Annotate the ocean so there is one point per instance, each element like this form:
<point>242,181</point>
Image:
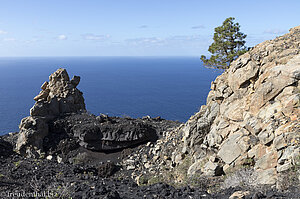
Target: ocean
<point>171,87</point>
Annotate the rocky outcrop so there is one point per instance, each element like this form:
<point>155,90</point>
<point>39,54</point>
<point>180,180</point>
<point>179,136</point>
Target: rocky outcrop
<point>259,110</point>
<point>58,97</point>
<point>58,123</point>
<point>251,118</point>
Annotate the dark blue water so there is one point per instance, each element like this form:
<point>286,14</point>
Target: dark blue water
<point>173,88</point>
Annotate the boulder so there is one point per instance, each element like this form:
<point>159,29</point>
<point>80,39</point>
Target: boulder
<point>289,154</point>
<point>266,136</point>
<point>257,151</point>
<point>229,152</point>
<point>268,176</point>
<point>32,132</point>
<point>196,167</point>
<point>239,195</point>
<point>272,82</point>
<point>212,169</point>
<point>284,167</point>
<point>253,125</point>
<point>279,142</point>
<point>243,75</point>
<point>267,161</point>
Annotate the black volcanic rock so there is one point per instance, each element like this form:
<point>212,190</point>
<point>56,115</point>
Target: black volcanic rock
<point>6,149</point>
<point>107,169</point>
<point>101,133</point>
<point>114,134</point>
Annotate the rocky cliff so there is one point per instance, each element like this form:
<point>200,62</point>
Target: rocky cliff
<point>250,120</point>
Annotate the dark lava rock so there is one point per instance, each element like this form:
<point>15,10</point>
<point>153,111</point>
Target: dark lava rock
<point>103,133</point>
<point>96,134</point>
<point>107,169</point>
<point>6,149</point>
<point>258,195</point>
<point>112,135</point>
<point>19,174</point>
<point>88,170</point>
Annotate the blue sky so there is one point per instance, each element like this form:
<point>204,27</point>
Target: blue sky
<point>134,27</point>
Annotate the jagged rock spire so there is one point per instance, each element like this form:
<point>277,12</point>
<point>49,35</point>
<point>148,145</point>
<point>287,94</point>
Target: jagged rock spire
<point>58,97</point>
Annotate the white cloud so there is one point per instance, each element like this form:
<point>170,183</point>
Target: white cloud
<point>9,39</point>
<point>275,31</point>
<point>2,32</point>
<point>186,37</point>
<point>62,37</point>
<point>198,27</point>
<point>175,38</point>
<point>32,40</point>
<point>94,37</point>
<point>143,26</point>
<point>146,41</point>
<point>175,41</point>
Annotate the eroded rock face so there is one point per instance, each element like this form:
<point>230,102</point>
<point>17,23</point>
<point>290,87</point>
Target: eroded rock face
<point>251,117</point>
<point>58,97</point>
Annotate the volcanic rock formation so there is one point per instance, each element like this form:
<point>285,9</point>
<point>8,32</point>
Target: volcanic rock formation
<point>58,122</point>
<point>58,97</point>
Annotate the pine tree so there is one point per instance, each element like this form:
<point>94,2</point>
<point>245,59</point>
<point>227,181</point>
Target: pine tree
<point>228,44</point>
